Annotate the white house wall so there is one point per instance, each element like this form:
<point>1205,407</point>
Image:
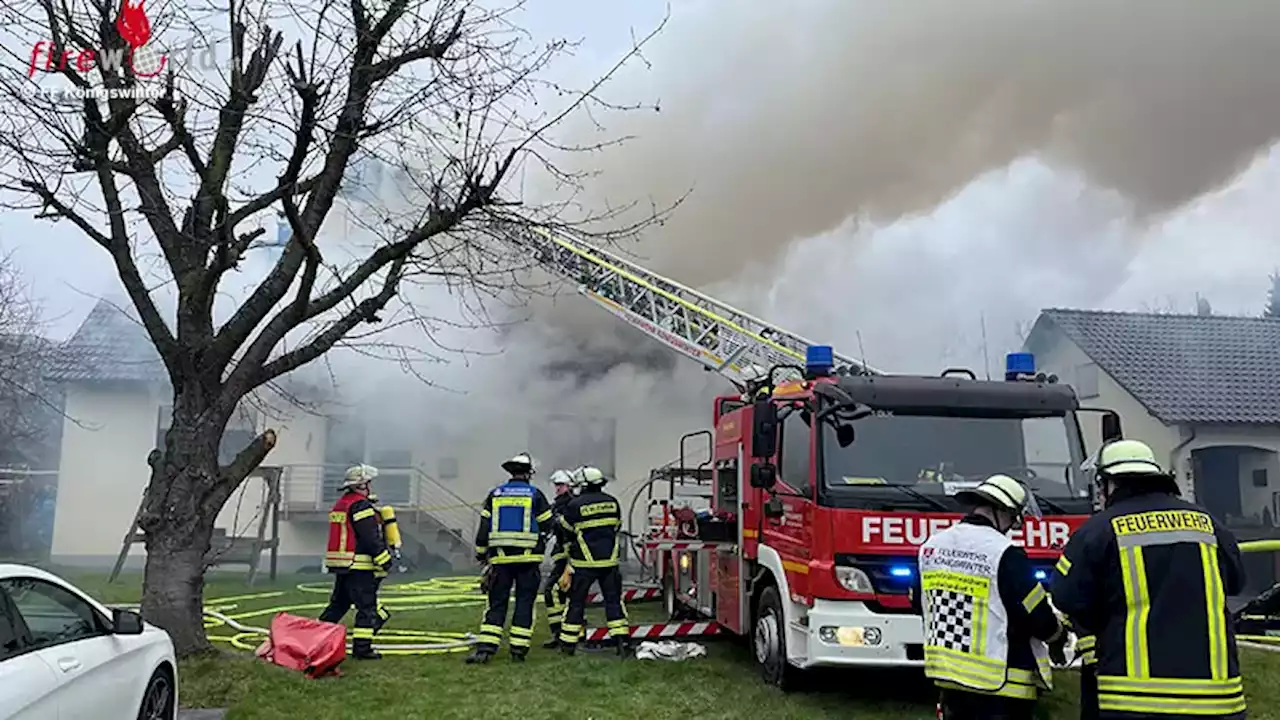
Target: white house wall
<point>103,472</point>
<point>1266,440</point>
<point>1063,358</point>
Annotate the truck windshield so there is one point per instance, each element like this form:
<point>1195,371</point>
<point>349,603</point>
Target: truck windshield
<point>941,455</point>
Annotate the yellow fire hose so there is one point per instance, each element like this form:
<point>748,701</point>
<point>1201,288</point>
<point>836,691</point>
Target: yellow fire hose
<point>227,626</point>
<point>1259,546</point>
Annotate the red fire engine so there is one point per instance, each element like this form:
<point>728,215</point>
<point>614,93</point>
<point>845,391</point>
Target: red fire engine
<point>821,490</point>
<point>802,527</point>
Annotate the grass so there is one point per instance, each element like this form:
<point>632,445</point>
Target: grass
<point>725,684</point>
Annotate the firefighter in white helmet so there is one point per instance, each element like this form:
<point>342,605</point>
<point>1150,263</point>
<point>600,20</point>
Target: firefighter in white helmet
<point>1149,576</point>
<point>554,593</point>
<point>987,619</point>
<point>511,539</point>
<point>594,520</point>
<point>355,554</point>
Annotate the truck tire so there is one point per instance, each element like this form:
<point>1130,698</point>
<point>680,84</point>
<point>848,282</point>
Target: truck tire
<point>769,641</point>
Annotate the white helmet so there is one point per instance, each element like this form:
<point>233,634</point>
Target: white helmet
<point>520,464</point>
<point>1002,491</point>
<point>359,475</point>
<point>561,477</point>
<point>590,476</point>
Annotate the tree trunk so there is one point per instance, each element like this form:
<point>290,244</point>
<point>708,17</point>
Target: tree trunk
<point>182,502</point>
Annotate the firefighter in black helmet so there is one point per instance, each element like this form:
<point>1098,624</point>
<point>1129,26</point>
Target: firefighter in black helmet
<point>594,520</point>
<point>1149,575</point>
<point>510,540</point>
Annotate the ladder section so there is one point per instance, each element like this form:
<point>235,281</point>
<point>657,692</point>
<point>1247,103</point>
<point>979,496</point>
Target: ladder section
<point>719,336</point>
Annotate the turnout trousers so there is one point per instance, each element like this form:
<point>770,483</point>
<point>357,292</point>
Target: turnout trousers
<point>1089,692</point>
<point>610,581</point>
<point>960,705</point>
<point>525,579</point>
<point>359,588</point>
<point>554,598</point>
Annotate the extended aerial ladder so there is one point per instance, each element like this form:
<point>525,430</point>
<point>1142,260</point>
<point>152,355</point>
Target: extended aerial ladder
<point>720,337</point>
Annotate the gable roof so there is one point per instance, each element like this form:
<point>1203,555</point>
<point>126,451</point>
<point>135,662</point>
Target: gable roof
<point>108,346</point>
<point>1183,368</point>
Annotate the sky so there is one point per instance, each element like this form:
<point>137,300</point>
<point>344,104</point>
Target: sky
<point>911,182</point>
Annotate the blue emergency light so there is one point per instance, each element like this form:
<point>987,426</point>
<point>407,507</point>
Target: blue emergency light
<point>1041,575</point>
<point>819,359</point>
<point>900,571</point>
<point>1019,364</point>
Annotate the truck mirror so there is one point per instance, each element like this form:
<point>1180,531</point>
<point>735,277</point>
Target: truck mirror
<point>844,435</point>
<point>764,429</point>
<point>764,476</point>
<point>1111,427</point>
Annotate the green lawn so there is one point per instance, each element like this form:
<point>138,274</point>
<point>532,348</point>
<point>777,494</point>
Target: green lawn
<point>590,686</point>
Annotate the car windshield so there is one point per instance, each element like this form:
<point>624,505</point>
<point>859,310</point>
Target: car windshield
<point>940,455</point>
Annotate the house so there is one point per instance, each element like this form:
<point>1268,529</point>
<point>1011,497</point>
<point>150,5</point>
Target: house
<point>433,468</point>
<point>1203,390</point>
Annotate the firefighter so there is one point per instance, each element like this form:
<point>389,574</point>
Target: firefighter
<point>355,553</point>
<point>1149,575</point>
<point>554,592</point>
<point>511,540</point>
<point>593,520</point>
<point>987,619</point>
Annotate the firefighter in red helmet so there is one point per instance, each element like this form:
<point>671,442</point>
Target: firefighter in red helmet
<point>357,554</point>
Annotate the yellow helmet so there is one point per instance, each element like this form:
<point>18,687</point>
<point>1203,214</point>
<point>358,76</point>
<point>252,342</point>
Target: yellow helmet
<point>590,476</point>
<point>1128,457</point>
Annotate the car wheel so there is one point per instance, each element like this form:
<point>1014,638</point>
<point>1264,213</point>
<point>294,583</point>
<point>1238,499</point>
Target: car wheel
<point>158,700</point>
<point>770,642</point>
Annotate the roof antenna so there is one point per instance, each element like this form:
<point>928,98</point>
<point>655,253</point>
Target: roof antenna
<point>862,352</point>
<point>986,357</point>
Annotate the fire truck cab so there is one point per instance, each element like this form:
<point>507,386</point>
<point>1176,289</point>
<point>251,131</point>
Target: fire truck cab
<point>823,488</point>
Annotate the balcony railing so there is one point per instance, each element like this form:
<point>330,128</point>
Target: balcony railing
<point>314,488</point>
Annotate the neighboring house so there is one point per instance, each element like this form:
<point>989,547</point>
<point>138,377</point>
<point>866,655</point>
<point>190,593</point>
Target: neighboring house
<point>1202,390</point>
<point>432,468</point>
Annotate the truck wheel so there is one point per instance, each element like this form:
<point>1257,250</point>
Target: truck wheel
<point>770,642</point>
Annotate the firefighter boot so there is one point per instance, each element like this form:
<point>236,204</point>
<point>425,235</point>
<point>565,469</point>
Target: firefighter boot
<point>363,650</point>
<point>568,648</point>
<point>623,648</point>
<point>554,642</point>
<point>479,655</point>
<point>519,654</point>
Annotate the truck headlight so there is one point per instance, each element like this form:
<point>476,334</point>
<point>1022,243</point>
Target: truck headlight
<point>853,579</point>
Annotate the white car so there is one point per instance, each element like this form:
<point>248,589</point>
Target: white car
<point>65,656</point>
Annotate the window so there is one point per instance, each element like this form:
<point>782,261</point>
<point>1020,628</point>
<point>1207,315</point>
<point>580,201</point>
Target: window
<point>395,475</point>
<point>13,635</point>
<point>1086,381</point>
<point>1260,477</point>
<point>794,463</point>
<point>727,484</point>
<point>53,615</point>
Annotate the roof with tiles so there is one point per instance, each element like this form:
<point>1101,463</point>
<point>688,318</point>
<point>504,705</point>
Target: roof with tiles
<point>1184,368</point>
<point>109,346</point>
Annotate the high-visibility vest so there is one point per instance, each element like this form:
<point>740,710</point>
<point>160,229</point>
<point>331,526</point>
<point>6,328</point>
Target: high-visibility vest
<point>966,623</point>
<point>340,553</point>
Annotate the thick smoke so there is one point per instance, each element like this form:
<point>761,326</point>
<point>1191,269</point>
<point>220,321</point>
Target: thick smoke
<point>891,166</point>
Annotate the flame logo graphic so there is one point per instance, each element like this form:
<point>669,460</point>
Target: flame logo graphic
<point>133,24</point>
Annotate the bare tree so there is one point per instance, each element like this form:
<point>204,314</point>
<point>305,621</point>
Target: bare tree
<point>179,184</point>
<point>30,408</point>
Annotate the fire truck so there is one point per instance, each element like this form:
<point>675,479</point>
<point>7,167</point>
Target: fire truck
<point>824,475</point>
<point>822,489</point>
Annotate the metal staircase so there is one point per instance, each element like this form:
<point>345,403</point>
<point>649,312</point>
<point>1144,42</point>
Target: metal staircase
<point>720,337</point>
